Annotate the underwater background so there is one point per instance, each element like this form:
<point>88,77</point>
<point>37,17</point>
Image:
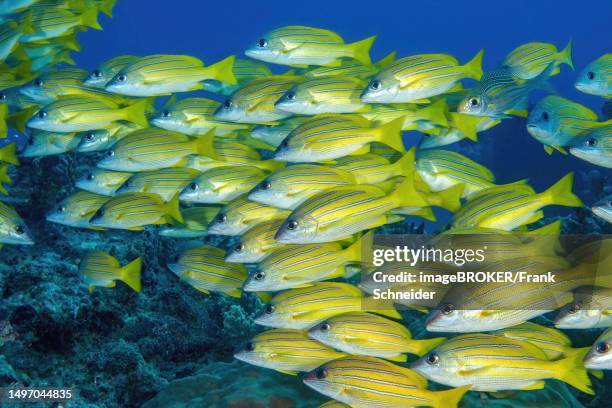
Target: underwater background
<point>170,345</point>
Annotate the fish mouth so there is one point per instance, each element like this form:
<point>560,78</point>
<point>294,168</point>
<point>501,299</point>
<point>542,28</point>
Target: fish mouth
<point>531,126</point>
<point>367,96</point>
<point>580,86</point>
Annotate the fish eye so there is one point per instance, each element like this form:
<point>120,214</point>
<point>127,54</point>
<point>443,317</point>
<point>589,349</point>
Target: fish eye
<point>474,102</point>
<point>266,185</point>
<point>259,276</point>
<point>591,141</point>
<point>602,347</point>
<point>221,218</point>
<point>110,153</point>
<point>20,230</point>
<point>545,116</point>
<point>376,84</point>
<point>284,143</point>
<point>228,104</point>
<point>38,82</point>
<point>41,114</point>
<point>239,248</point>
<point>90,176</point>
<point>97,73</point>
<point>433,358</point>
<point>30,141</point>
<point>326,327</point>
<point>591,75</point>
<point>61,208</point>
<point>194,186</point>
<point>270,309</point>
<point>321,373</point>
<point>90,136</point>
<point>166,113</point>
<point>262,43</point>
<point>291,225</point>
<point>249,346</point>
<point>2,96</point>
<point>447,309</point>
<point>290,96</point>
<point>100,213</point>
<point>126,183</point>
<point>122,78</point>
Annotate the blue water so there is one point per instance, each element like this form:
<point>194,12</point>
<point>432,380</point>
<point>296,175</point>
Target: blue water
<point>213,30</point>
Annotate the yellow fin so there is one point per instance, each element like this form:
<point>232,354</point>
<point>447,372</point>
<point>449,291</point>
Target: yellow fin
<point>450,398</point>
<point>205,145</point>
<point>235,293</point>
<point>90,18</point>
<point>7,154</point>
<point>391,134</point>
<point>173,210</point>
<point>223,70</point>
<point>130,274</point>
<point>565,55</point>
<point>561,193</point>
<point>400,358</point>
<point>571,370</point>
<point>361,50</point>
<point>474,66</point>
<point>136,113</point>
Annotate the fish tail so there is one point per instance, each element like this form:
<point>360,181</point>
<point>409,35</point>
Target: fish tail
<point>19,119</point>
<point>391,134</point>
<point>353,253</point>
<point>420,347</point>
<point>436,113</point>
<point>474,66</point>
<point>205,145</point>
<point>136,113</point>
<point>65,58</point>
<point>425,213</point>
<point>407,195</point>
<point>450,199</point>
<point>223,70</point>
<point>72,44</point>
<point>361,50</point>
<point>7,154</point>
<point>560,193</point>
<point>450,398</point>
<point>386,60</point>
<point>571,370</point>
<point>467,124</point>
<point>130,274</point>
<point>405,165</point>
<point>106,7</point>
<point>90,18</point>
<point>173,209</point>
<point>565,56</point>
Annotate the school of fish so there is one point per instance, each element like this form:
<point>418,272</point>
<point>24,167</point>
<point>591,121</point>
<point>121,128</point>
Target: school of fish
<point>298,169</point>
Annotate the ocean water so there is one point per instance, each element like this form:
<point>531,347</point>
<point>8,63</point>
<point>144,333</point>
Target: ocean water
<point>172,346</point>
